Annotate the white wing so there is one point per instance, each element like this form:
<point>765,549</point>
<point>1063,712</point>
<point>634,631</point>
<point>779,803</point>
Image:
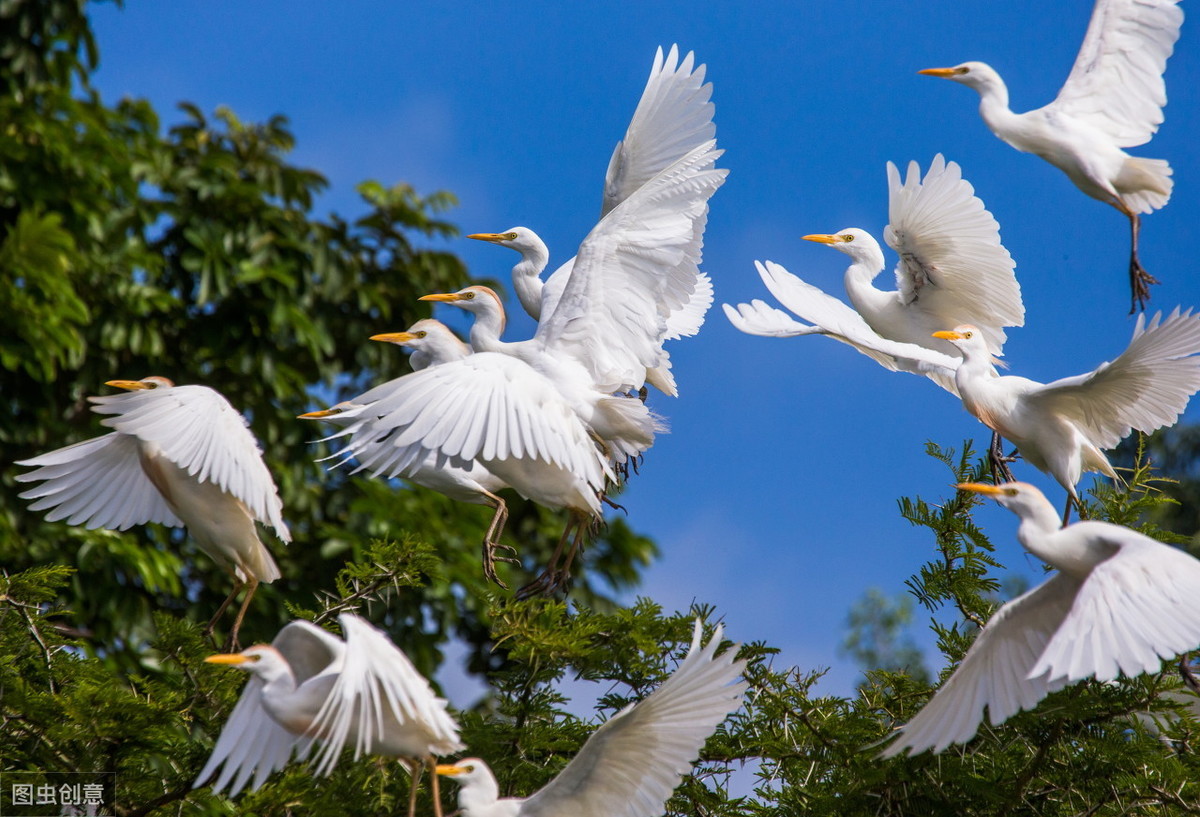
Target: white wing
<point>252,743</point>
<point>673,118</point>
<point>687,320</point>
<point>831,317</point>
<point>632,763</point>
<point>377,679</point>
<point>198,430</point>
<point>994,672</point>
<point>953,268</point>
<point>487,406</point>
<point>1147,387</point>
<point>1135,609</point>
<point>1116,84</point>
<point>636,267</point>
<point>97,483</point>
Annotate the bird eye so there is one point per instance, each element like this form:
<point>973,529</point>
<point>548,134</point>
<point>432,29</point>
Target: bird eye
<point>510,236</point>
<point>1010,491</point>
<point>468,296</point>
<point>967,335</point>
<point>422,334</point>
<point>847,238</point>
<point>962,69</point>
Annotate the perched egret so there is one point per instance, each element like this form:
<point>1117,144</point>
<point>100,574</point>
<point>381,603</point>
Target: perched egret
<point>433,343</point>
<point>1112,99</point>
<point>179,456</point>
<point>1120,603</point>
<point>542,414</point>
<point>310,686</point>
<point>1061,427</point>
<point>952,269</point>
<point>632,763</point>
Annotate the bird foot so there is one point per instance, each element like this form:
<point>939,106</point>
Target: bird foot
<point>1139,285</point>
<point>1189,678</point>
<point>490,558</point>
<point>547,583</point>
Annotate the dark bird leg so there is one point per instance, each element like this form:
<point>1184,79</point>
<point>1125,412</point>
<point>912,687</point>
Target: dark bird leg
<point>433,787</point>
<point>231,644</point>
<point>491,541</point>
<point>551,579</point>
<point>1139,279</point>
<point>999,462</point>
<point>212,624</point>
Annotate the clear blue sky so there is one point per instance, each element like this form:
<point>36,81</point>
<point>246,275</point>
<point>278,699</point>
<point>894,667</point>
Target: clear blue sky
<point>774,496</point>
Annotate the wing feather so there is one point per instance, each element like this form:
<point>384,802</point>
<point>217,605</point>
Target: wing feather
<point>1116,83</point>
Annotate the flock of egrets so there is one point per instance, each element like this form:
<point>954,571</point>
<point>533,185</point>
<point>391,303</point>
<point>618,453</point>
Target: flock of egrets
<point>559,418</point>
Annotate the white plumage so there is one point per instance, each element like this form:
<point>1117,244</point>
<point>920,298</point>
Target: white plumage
<point>951,263</point>
<point>179,456</point>
<point>632,763</point>
<point>1112,99</point>
<point>309,686</point>
<point>1120,604</point>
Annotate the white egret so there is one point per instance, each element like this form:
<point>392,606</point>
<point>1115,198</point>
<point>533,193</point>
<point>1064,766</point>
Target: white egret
<point>433,343</point>
<point>1060,427</point>
<point>309,686</point>
<point>952,269</point>
<point>179,456</point>
<point>633,269</point>
<point>1120,603</point>
<point>1112,99</point>
<point>631,764</point>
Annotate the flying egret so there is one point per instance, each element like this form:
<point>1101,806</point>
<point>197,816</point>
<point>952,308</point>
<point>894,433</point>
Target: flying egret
<point>311,686</point>
<point>952,269</point>
<point>673,117</point>
<point>432,344</point>
<point>606,333</point>
<point>1112,99</point>
<point>180,456</point>
<point>1060,427</point>
<point>631,764</point>
<point>1120,603</point>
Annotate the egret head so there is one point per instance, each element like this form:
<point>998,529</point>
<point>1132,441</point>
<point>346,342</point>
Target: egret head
<point>468,771</point>
<point>521,239</point>
<point>145,384</point>
<point>335,412</point>
<point>475,299</point>
<point>1021,498</point>
<point>856,243</point>
<point>972,74</point>
<point>967,338</point>
<point>261,659</point>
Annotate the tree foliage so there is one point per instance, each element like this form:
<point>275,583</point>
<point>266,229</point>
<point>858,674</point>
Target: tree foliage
<point>194,252</point>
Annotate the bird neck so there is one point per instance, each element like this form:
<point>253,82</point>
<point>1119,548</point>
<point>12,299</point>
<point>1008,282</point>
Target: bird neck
<point>1040,534</point>
<point>486,331</point>
<point>858,281</point>
<point>526,278</point>
<point>993,106</point>
<point>479,797</point>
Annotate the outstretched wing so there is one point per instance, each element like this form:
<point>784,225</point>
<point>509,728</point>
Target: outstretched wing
<point>1116,84</point>
<point>632,763</point>
<point>378,686</point>
<point>636,267</point>
<point>486,407</point>
<point>995,672</point>
<point>1147,387</point>
<point>97,483</point>
<point>1135,609</point>
<point>198,430</point>
<point>673,118</point>
<point>252,743</point>
<point>952,268</point>
<point>829,316</point>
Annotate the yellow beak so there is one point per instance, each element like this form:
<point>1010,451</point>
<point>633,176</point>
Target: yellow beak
<point>980,488</point>
<point>448,769</point>
<point>225,658</point>
<point>449,297</point>
<point>319,415</point>
<point>493,237</point>
<point>822,238</point>
<point>131,385</point>
<point>395,337</point>
<point>947,335</point>
<point>938,72</point>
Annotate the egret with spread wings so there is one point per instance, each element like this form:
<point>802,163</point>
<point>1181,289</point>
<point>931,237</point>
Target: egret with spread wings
<point>631,764</point>
<point>309,686</point>
<point>1120,603</point>
<point>180,456</point>
<point>1113,99</point>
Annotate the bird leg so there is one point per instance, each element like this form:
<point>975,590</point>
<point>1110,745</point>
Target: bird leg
<point>491,541</point>
<point>1139,279</point>
<point>999,462</point>
<point>237,587</point>
<point>433,787</point>
<point>1072,499</point>
<point>414,775</point>
<point>231,644</point>
<point>550,579</point>
<point>1189,678</point>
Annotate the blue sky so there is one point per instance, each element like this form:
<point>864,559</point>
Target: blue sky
<point>774,495</point>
